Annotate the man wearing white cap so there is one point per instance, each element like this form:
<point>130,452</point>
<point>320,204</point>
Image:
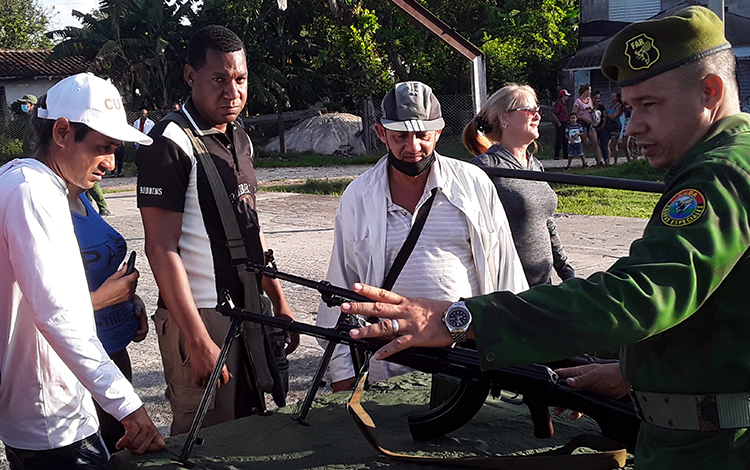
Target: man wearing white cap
<point>51,361</point>
<point>465,245</point>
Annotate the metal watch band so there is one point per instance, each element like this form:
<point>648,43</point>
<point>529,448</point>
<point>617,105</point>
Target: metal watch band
<point>458,336</point>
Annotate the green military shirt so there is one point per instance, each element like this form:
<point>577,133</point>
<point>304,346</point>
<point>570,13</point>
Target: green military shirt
<point>676,305</point>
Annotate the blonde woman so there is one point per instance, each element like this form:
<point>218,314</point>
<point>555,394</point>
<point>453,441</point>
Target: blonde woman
<point>500,135</point>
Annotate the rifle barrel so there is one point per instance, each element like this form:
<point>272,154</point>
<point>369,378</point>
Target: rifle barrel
<point>324,287</point>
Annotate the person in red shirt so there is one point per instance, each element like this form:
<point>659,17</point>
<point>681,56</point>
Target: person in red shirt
<point>560,115</point>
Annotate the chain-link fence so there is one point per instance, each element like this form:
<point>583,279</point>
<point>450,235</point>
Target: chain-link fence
<point>274,130</point>
<point>11,135</point>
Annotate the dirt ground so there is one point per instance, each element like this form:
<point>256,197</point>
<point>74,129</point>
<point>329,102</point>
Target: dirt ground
<point>299,228</point>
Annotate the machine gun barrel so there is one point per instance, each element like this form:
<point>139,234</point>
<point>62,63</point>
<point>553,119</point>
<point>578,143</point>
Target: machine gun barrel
<point>330,293</point>
<point>539,385</point>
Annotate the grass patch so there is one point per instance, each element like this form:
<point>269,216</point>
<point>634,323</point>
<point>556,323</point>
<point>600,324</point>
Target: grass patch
<point>318,187</point>
<point>633,170</point>
<point>602,201</point>
<point>116,190</point>
<point>613,202</point>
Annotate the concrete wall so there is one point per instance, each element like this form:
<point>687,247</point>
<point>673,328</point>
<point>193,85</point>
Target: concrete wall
<point>592,10</point>
<point>738,7</point>
<point>15,89</point>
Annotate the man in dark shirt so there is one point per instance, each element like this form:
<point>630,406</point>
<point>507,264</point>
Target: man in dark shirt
<point>185,239</point>
<point>560,116</point>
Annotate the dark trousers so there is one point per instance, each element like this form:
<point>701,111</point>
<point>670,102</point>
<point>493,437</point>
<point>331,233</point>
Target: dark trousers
<point>86,454</point>
<point>111,429</point>
<point>119,160</point>
<point>603,137</point>
<point>560,141</point>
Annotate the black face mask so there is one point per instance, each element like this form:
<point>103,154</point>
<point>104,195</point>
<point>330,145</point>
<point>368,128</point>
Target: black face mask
<point>411,168</point>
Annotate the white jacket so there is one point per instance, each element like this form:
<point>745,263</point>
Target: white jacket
<point>360,239</point>
<point>50,356</point>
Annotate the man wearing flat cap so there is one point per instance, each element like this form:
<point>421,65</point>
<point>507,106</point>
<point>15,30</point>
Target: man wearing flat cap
<point>28,102</point>
<point>676,305</point>
<point>465,246</point>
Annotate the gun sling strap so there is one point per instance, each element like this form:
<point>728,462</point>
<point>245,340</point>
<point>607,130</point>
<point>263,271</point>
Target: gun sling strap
<point>411,240</point>
<point>609,455</point>
<point>259,345</point>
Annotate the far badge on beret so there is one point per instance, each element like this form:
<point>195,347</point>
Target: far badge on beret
<point>645,49</point>
<point>684,208</point>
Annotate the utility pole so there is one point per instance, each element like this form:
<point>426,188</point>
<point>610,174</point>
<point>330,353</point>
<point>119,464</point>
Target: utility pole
<point>717,6</point>
<point>458,43</point>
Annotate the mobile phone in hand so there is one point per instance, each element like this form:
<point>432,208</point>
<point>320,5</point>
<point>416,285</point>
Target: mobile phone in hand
<point>131,264</point>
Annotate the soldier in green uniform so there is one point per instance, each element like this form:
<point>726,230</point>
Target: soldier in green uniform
<point>676,305</point>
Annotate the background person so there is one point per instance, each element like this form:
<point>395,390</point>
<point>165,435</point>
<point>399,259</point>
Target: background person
<point>625,138</point>
<point>28,103</point>
<point>143,124</point>
<point>119,161</point>
<point>583,107</point>
<point>465,245</point>
<point>599,113</point>
<point>96,195</point>
<point>613,125</point>
<point>51,359</point>
<point>560,117</point>
<point>500,136</point>
<point>573,133</point>
<point>119,313</point>
<point>675,305</point>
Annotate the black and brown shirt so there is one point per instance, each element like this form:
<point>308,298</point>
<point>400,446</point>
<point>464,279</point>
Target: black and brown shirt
<point>170,177</point>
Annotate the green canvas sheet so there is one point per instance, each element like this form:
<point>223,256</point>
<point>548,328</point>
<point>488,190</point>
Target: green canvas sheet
<point>333,441</point>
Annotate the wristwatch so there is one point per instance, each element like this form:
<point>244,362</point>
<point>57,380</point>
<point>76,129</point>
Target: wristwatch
<point>457,319</point>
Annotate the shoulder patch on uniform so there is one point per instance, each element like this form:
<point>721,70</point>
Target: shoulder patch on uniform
<point>684,208</point>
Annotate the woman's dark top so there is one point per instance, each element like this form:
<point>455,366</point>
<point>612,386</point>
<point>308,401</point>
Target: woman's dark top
<point>529,206</point>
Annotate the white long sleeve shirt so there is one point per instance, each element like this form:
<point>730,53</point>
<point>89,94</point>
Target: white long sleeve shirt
<point>360,247</point>
<point>50,356</point>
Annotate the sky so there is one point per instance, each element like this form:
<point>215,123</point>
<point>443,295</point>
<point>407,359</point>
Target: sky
<point>62,8</point>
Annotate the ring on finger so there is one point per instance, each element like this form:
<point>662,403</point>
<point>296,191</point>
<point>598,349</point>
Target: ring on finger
<point>394,325</point>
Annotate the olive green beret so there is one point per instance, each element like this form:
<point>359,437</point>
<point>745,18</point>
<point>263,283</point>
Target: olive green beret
<point>645,49</point>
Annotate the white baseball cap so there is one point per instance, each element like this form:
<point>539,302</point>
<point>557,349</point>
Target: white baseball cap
<point>93,101</point>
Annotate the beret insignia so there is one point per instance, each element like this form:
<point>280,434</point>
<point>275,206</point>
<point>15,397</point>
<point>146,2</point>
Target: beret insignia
<point>641,52</point>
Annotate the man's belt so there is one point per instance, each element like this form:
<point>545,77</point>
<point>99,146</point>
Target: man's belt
<point>710,412</point>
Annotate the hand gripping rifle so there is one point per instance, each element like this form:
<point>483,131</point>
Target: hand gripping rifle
<point>333,297</point>
<point>539,385</point>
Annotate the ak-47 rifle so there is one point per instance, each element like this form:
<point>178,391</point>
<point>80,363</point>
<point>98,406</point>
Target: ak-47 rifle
<point>538,384</point>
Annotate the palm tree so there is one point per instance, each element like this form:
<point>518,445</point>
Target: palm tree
<point>138,44</point>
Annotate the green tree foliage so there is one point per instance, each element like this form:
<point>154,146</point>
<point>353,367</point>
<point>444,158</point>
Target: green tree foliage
<point>280,50</point>
<point>524,39</point>
<point>138,44</point>
<point>339,50</point>
<point>22,25</point>
<point>521,39</point>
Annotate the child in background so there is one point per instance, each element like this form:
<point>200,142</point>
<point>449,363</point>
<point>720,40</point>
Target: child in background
<point>573,133</point>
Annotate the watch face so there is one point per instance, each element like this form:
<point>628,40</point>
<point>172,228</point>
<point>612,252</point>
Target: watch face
<point>457,318</point>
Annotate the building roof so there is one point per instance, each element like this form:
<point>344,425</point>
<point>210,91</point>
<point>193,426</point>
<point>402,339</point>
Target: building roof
<point>31,63</point>
<point>590,57</point>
